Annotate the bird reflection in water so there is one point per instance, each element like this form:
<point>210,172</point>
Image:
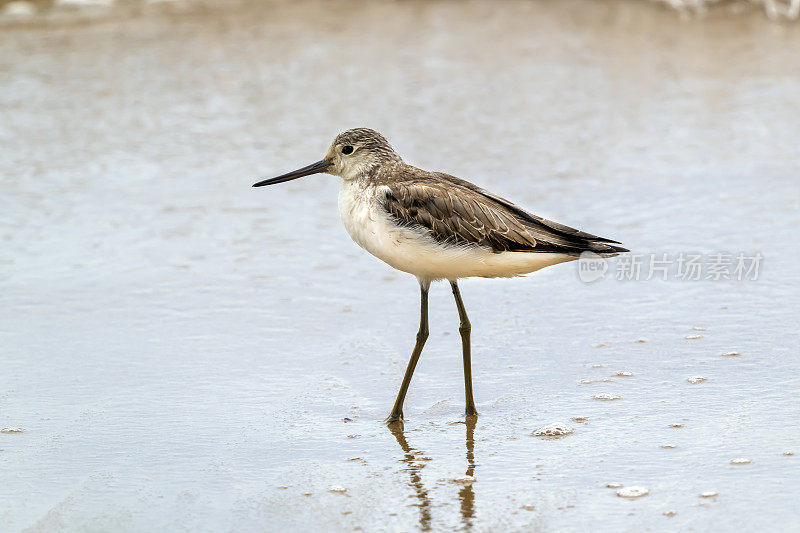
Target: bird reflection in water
<point>414,465</point>
<point>467,495</point>
<point>415,461</point>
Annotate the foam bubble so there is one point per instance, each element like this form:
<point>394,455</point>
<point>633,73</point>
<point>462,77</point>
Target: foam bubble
<point>709,494</point>
<point>465,479</point>
<point>606,397</point>
<point>337,488</point>
<point>633,492</point>
<point>741,461</point>
<point>598,380</point>
<point>553,430</point>
<point>697,379</point>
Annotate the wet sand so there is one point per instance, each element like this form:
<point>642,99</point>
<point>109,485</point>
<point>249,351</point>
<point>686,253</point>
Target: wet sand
<point>183,352</point>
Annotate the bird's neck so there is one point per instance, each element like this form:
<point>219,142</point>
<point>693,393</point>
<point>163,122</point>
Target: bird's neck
<point>379,172</point>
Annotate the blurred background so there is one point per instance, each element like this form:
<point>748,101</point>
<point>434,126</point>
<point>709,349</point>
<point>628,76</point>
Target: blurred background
<point>179,351</point>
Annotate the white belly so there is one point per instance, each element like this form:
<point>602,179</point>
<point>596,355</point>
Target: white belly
<point>416,252</point>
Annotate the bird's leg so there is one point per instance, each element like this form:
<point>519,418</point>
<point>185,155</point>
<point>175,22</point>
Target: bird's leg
<point>422,336</point>
<point>465,328</point>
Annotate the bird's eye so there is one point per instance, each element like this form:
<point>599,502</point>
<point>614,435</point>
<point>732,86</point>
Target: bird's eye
<point>347,149</point>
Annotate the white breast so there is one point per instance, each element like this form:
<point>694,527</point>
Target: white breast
<point>416,252</point>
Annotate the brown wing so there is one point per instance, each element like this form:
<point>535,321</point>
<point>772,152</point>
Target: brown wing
<point>458,212</point>
<point>549,228</point>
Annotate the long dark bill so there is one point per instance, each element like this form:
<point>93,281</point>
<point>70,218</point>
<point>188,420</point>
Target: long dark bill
<point>314,168</point>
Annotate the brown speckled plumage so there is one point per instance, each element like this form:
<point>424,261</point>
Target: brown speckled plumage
<point>371,140</point>
<point>458,212</point>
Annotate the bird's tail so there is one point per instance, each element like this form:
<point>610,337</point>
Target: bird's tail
<point>605,248</point>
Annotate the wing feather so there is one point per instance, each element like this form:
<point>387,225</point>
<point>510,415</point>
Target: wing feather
<point>451,217</point>
<point>458,212</point>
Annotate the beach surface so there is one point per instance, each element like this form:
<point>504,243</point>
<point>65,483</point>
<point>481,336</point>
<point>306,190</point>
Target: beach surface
<point>181,352</point>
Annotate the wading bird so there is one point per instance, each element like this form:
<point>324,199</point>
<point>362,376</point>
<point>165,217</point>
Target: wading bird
<point>438,227</point>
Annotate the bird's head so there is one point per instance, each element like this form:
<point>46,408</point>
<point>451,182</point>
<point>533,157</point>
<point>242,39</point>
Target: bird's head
<point>351,154</point>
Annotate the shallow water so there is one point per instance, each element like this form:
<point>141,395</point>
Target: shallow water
<point>183,352</point>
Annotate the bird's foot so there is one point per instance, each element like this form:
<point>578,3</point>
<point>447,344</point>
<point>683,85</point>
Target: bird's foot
<point>394,418</point>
